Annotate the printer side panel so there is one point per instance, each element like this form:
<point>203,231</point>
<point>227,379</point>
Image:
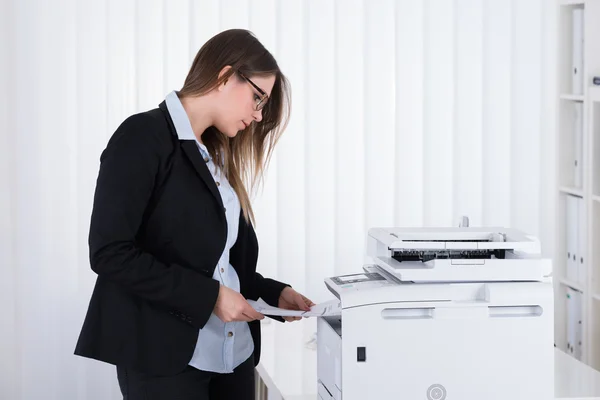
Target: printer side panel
<point>329,358</point>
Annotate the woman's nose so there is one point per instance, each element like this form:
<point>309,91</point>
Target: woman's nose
<point>257,115</point>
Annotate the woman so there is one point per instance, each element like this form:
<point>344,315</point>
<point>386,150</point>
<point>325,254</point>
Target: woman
<point>171,234</point>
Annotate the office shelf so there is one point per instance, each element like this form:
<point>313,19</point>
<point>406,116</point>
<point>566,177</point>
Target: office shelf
<point>578,174</point>
<point>572,285</point>
<point>571,190</point>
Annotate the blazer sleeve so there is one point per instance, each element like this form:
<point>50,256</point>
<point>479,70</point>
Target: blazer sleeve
<point>269,289</point>
<point>128,169</point>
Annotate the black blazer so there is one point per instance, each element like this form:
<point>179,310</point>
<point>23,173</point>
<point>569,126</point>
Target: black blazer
<point>158,229</point>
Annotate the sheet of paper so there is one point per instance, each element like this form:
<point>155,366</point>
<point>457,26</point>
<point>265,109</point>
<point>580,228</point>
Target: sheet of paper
<point>326,308</point>
<point>331,307</point>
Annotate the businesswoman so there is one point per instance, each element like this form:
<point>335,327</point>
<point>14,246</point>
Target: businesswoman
<point>171,236</point>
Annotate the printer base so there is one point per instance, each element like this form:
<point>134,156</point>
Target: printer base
<point>499,347</point>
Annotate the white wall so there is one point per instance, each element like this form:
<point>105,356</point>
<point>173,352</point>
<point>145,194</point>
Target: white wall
<point>404,113</point>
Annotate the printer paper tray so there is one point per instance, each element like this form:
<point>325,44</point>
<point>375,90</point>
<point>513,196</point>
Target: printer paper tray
<point>456,270</point>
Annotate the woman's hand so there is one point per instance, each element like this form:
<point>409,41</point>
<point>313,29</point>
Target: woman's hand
<point>232,306</point>
<point>292,300</point>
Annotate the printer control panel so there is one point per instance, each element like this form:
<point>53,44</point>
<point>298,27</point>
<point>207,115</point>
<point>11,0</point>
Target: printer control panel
<point>357,278</point>
<point>367,280</point>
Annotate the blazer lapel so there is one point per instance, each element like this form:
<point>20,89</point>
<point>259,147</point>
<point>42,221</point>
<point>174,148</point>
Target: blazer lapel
<point>193,154</point>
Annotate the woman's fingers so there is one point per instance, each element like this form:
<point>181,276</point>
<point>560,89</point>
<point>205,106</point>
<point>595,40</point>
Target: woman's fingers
<point>307,301</point>
<point>302,302</point>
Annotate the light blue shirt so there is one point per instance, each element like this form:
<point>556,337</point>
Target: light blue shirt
<point>221,346</point>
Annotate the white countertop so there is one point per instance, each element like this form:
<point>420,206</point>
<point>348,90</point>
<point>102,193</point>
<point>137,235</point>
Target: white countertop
<point>289,365</point>
<point>574,379</point>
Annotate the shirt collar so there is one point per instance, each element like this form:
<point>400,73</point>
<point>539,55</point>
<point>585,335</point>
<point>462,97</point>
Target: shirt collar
<point>182,122</point>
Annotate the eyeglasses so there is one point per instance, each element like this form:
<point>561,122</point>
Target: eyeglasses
<point>261,100</point>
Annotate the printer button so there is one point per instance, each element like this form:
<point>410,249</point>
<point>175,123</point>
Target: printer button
<point>361,354</point>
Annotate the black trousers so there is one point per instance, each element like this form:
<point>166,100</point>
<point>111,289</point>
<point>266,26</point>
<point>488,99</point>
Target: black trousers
<point>191,384</point>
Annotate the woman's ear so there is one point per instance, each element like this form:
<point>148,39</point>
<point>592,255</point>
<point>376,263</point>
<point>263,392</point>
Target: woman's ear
<point>222,85</point>
<point>223,71</point>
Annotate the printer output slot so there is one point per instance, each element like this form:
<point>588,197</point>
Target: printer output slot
<point>335,323</point>
<point>428,255</point>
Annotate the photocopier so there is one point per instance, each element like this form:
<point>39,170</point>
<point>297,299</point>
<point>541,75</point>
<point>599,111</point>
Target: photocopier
<point>441,314</point>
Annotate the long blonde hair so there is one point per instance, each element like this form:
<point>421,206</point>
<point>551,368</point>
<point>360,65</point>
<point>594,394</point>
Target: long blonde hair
<point>246,156</point>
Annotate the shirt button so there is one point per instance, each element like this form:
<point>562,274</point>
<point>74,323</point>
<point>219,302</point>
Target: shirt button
<point>205,159</point>
<point>218,183</point>
<point>222,269</point>
<point>230,334</point>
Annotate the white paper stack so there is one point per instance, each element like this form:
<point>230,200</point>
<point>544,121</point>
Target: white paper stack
<point>332,307</point>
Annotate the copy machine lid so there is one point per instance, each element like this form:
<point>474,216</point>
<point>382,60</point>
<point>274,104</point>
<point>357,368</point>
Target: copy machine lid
<point>455,239</point>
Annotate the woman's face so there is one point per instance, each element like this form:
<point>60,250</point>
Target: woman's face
<point>237,102</point>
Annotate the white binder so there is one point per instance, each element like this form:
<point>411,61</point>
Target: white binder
<point>574,326</point>
<point>582,243</point>
<point>577,54</point>
<point>572,231</point>
<point>578,345</point>
<point>570,300</point>
<point>578,137</point>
